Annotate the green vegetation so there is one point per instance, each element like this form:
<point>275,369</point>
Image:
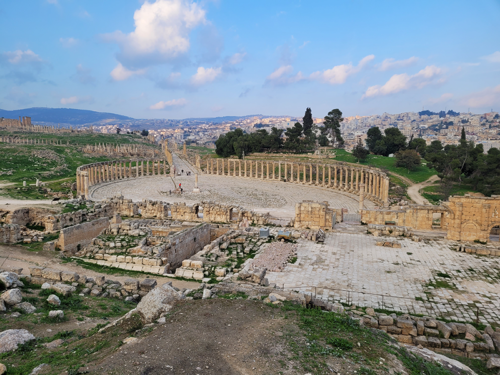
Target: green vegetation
<point>55,165</point>
<point>420,174</point>
<point>435,193</point>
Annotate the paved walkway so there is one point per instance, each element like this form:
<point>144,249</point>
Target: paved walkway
<point>278,198</point>
<point>352,262</point>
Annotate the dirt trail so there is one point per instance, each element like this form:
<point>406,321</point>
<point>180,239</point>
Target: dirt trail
<point>12,257</point>
<point>414,190</point>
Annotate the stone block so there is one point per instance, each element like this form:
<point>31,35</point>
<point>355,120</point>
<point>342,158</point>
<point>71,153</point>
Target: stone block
<point>445,343</point>
<point>36,271</point>
<point>112,258</point>
<point>385,320</point>
<point>493,362</point>
<point>420,328</point>
<point>404,323</point>
<point>433,342</point>
<point>130,284</point>
<point>431,332</point>
<point>138,260</point>
<point>186,263</point>
<point>196,264</point>
<point>444,329</point>
<point>198,275</point>
<point>431,323</point>
<point>128,259</point>
<point>393,330</point>
<point>179,272</point>
<point>188,274</point>
<point>69,276</point>
<point>51,274</point>
<point>405,339</point>
<point>120,258</point>
<point>147,284</point>
<point>420,340</point>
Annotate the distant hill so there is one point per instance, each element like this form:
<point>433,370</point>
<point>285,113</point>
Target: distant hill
<point>218,120</point>
<point>62,115</point>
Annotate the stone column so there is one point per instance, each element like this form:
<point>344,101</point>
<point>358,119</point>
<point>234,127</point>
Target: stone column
<point>357,179</point>
<point>239,167</point>
<point>335,177</point>
<point>352,179</point>
<point>262,169</point>
<point>324,175</point>
<point>341,186</point>
<point>86,184</point>
<point>142,168</point>
<point>304,179</point>
<point>279,171</point>
<point>137,168</point>
<point>329,176</point>
<point>130,169</point>
<point>317,174</point>
<point>245,166</point>
<point>251,169</point>
<point>361,196</point>
<point>196,190</point>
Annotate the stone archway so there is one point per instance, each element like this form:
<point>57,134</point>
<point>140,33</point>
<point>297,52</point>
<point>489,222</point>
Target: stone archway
<point>494,234</point>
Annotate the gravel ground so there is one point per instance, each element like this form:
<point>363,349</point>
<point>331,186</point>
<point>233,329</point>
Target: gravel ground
<point>275,256</point>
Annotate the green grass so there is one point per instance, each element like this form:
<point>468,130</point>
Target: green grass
<point>54,165</point>
<point>422,173</point>
<point>433,195</point>
<point>201,150</point>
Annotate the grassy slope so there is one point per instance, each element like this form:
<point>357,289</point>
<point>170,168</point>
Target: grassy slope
<point>60,168</point>
<point>433,195</point>
<point>421,174</point>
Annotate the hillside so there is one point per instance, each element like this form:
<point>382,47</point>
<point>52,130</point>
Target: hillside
<point>62,115</point>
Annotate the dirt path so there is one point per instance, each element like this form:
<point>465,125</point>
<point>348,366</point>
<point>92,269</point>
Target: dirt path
<point>414,190</point>
<point>13,257</point>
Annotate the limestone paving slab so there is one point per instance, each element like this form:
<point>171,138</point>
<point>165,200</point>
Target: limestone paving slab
<point>350,268</point>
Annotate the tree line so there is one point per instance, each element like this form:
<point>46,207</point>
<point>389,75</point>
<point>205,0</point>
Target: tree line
<point>299,138</point>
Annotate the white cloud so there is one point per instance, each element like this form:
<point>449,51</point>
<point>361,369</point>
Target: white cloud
<point>494,57</point>
<point>237,58</point>
<point>283,76</point>
<point>83,75</point>
<point>339,74</point>
<point>174,103</point>
<point>205,75</point>
<point>443,98</point>
<point>76,100</point>
<point>305,44</point>
<point>389,64</point>
<point>120,73</point>
<point>487,98</point>
<point>161,32</point>
<point>19,57</point>
<point>68,42</point>
<point>402,82</point>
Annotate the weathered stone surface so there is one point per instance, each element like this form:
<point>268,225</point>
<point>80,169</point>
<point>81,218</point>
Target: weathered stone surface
<point>433,342</point>
<point>370,311</point>
<point>405,339</point>
<point>420,328</point>
<point>46,286</point>
<point>3,369</point>
<point>207,293</point>
<point>469,328</point>
<point>489,342</point>
<point>444,329</point>
<point>9,279</point>
<point>11,338</point>
<point>469,347</point>
<point>51,274</point>
<point>469,336</point>
<point>147,284</point>
<point>36,271</point>
<point>54,300</point>
<point>454,328</point>
<point>394,330</point>
<point>27,307</point>
<point>404,323</point>
<point>2,305</point>
<point>69,276</point>
<point>56,314</point>
<point>12,296</point>
<point>63,289</point>
<point>385,320</point>
<point>432,332</point>
<point>420,340</point>
<point>159,300</point>
<point>461,344</point>
<point>493,362</point>
<point>54,344</point>
<point>452,365</point>
<point>431,323</point>
<point>460,327</point>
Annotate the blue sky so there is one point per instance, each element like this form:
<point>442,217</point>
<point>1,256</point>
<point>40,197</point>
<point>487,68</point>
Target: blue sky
<point>182,58</point>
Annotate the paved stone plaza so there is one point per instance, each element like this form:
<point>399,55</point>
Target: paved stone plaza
<point>352,262</point>
<point>279,198</point>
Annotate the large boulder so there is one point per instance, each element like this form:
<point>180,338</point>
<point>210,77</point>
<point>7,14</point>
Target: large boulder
<point>160,300</point>
<point>27,307</point>
<point>12,297</point>
<point>9,279</point>
<point>54,300</point>
<point>10,339</point>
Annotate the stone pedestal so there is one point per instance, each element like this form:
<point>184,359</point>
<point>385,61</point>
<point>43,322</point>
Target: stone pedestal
<point>196,189</point>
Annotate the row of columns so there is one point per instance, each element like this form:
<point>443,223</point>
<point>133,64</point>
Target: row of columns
<point>31,141</point>
<point>341,177</point>
<point>92,174</point>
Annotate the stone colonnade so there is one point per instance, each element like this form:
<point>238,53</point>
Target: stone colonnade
<point>96,173</point>
<point>369,183</point>
<point>32,141</point>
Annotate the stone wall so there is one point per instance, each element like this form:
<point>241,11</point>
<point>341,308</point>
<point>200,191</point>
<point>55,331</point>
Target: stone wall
<point>10,233</point>
<point>21,123</point>
<point>372,183</point>
<point>186,243</point>
<point>81,235</point>
<point>122,150</point>
<point>314,215</point>
<point>464,218</point>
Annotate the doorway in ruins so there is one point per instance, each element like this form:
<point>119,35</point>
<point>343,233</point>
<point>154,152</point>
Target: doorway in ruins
<point>198,210</point>
<point>437,220</point>
<point>233,214</point>
<point>495,234</point>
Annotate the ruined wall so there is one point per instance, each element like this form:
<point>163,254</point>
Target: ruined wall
<point>472,218</point>
<point>10,233</point>
<point>419,217</point>
<point>313,215</point>
<point>186,243</point>
<point>81,235</point>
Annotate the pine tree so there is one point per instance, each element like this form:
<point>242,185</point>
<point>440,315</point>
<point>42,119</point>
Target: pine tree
<point>462,138</point>
<point>307,121</point>
<point>332,125</point>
